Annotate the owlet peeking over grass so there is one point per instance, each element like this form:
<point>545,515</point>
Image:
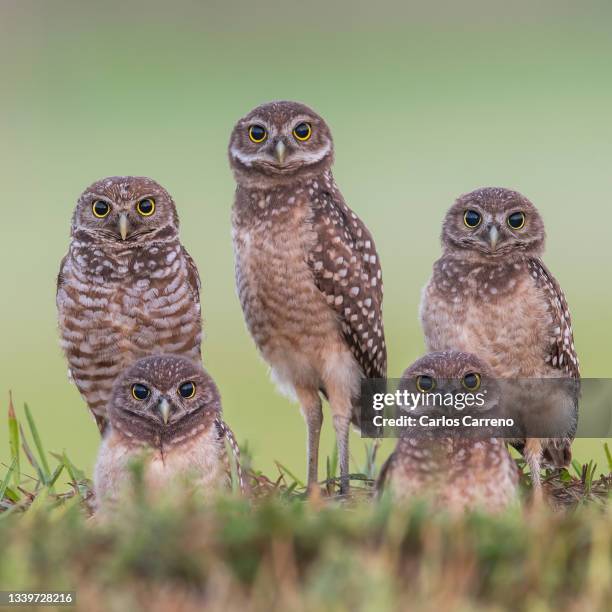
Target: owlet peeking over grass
<point>453,469</point>
<point>165,411</point>
<point>307,271</point>
<point>127,287</point>
<point>491,295</point>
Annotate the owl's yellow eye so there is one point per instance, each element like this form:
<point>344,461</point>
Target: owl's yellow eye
<point>100,209</point>
<point>425,384</point>
<point>517,220</point>
<point>140,392</point>
<point>472,219</point>
<point>302,131</point>
<point>257,133</point>
<point>146,207</point>
<point>471,381</point>
<point>187,390</point>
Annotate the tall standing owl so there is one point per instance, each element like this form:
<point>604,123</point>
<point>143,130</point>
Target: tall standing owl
<point>127,287</point>
<point>491,294</point>
<point>166,411</point>
<point>307,271</point>
<point>453,469</point>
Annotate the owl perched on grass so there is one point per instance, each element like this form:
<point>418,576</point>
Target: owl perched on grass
<point>450,468</point>
<point>166,411</point>
<point>492,295</point>
<point>127,287</point>
<point>307,272</point>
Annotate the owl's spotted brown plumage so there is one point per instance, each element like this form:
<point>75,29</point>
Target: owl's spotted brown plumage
<point>492,295</point>
<point>127,288</point>
<point>445,465</point>
<point>307,271</point>
<point>166,411</point>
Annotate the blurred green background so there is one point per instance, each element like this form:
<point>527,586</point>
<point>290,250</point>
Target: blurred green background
<point>426,101</point>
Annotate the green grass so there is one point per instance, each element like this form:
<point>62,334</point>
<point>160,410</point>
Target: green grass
<point>281,550</point>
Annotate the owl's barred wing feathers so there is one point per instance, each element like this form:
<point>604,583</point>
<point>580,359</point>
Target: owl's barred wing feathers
<point>193,276</point>
<point>347,271</point>
<point>228,435</point>
<point>60,274</point>
<point>562,354</point>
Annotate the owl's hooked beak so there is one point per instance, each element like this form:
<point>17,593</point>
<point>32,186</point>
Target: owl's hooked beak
<point>123,226</point>
<point>493,237</point>
<point>280,152</point>
<point>164,409</point>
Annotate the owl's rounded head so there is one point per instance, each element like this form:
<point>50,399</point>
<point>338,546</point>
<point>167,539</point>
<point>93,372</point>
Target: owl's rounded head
<point>280,140</point>
<point>128,210</point>
<point>452,372</point>
<point>163,393</point>
<point>493,222</point>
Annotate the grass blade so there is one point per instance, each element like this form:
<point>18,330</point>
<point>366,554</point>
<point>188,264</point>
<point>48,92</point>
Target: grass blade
<point>7,477</point>
<point>284,470</point>
<point>14,441</point>
<point>371,450</point>
<point>77,476</point>
<point>12,495</point>
<point>334,462</point>
<point>608,456</point>
<point>37,443</point>
<point>58,470</point>
<point>30,457</point>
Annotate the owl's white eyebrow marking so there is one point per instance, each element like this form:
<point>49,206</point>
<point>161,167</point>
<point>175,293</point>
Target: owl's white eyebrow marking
<point>96,195</point>
<point>296,120</point>
<point>257,120</point>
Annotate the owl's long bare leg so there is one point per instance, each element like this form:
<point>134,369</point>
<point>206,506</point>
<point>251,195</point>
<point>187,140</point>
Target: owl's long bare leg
<point>340,393</point>
<point>341,425</point>
<point>533,457</point>
<point>313,415</point>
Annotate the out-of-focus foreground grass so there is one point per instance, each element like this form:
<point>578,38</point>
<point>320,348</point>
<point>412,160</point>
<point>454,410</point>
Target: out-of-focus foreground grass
<point>279,551</point>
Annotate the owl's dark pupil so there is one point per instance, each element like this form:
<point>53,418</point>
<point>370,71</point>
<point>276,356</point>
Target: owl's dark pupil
<point>425,383</point>
<point>472,218</point>
<point>140,391</point>
<point>516,220</point>
<point>146,206</point>
<point>187,389</point>
<point>257,132</point>
<point>470,380</point>
<point>101,208</point>
<point>302,130</point>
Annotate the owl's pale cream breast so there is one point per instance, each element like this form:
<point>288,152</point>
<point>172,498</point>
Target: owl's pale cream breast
<point>495,311</point>
<point>198,462</point>
<point>285,312</point>
<point>453,473</point>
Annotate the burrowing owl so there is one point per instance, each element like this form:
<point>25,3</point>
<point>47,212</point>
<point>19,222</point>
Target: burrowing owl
<point>441,463</point>
<point>127,287</point>
<point>165,410</point>
<point>490,294</point>
<point>307,271</point>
